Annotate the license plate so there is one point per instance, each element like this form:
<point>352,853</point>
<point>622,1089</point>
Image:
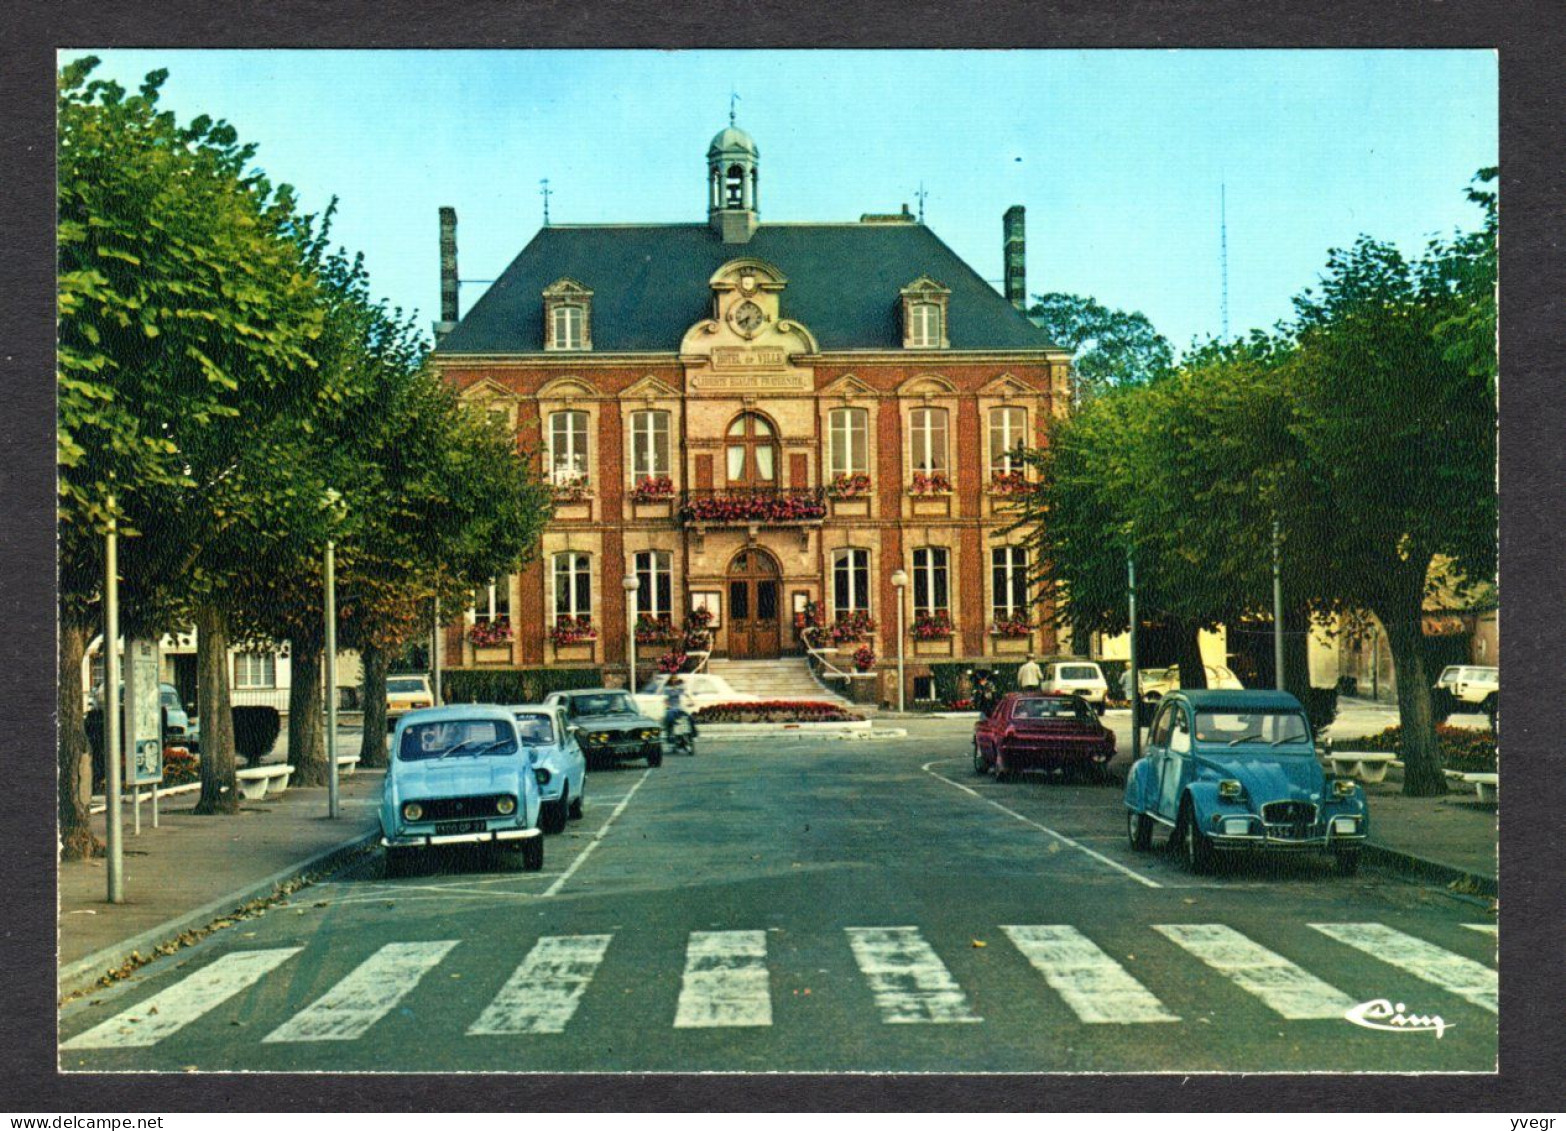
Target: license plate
<point>447,828</point>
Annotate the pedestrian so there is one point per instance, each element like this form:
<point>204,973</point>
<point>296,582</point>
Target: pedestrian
<point>1028,675</point>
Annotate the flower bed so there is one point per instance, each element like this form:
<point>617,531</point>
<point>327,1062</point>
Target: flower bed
<point>776,711</point>
<point>491,633</point>
<point>573,630</point>
<point>933,483</point>
<point>1470,751</point>
<point>180,766</point>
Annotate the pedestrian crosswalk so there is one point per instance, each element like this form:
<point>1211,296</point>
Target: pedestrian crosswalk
<point>728,980</point>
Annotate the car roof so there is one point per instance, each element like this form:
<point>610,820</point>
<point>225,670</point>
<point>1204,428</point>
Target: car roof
<point>585,691</point>
<point>459,711</point>
<point>1218,699</point>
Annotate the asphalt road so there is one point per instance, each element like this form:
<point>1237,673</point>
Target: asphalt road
<point>821,906</point>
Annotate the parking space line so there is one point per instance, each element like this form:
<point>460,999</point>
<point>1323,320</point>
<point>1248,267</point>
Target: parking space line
<point>597,837</point>
<point>1061,837</point>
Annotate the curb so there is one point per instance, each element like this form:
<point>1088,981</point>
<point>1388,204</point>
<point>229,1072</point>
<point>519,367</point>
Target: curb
<point>1410,865</point>
<point>85,972</point>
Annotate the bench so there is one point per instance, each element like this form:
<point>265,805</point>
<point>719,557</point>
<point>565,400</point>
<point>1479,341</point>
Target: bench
<point>257,780</point>
<point>1364,765</point>
<point>347,763</point>
<point>1487,786</point>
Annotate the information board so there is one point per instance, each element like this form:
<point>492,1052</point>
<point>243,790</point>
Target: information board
<point>143,714</point>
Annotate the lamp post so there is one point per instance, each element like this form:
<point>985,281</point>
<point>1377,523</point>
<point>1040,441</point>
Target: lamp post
<point>331,501</point>
<point>1135,683</point>
<point>899,583</point>
<point>631,583</point>
<point>110,705</point>
<point>1277,608</point>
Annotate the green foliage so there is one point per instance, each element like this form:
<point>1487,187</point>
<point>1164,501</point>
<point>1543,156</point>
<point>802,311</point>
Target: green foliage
<point>255,732</point>
<point>1113,348</point>
<point>1464,750</point>
<point>952,683</point>
<point>514,685</point>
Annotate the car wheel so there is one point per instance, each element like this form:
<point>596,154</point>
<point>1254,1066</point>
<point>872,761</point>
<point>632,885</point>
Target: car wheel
<point>1347,861</point>
<point>655,760</point>
<point>980,766</point>
<point>1003,772</point>
<point>1139,830</point>
<point>533,854</point>
<point>574,810</point>
<point>1198,848</point>
<point>552,814</point>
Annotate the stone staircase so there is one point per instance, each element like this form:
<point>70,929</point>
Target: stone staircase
<point>785,678</point>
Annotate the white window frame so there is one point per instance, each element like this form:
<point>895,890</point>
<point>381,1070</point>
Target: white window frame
<point>649,566</point>
<point>854,562</point>
<point>494,601</point>
<point>570,326</point>
<point>923,451</point>
<point>1008,571</point>
<point>579,565</point>
<point>570,446</point>
<point>929,564</point>
<point>245,674</point>
<point>650,443</point>
<point>924,330</point>
<point>848,441</point>
<point>1002,458</point>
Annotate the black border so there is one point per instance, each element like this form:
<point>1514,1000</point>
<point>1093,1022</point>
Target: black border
<point>1528,36</point>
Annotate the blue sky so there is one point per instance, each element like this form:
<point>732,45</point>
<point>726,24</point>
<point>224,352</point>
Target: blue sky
<point>1117,155</point>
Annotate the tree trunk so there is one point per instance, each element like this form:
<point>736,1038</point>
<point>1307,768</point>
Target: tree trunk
<point>306,732</point>
<point>75,760</point>
<point>1188,654</point>
<point>372,749</point>
<point>219,789</point>
<point>1296,652</point>
<point>1421,750</point>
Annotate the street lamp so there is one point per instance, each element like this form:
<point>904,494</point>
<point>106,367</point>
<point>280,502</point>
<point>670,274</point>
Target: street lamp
<point>331,502</point>
<point>631,583</point>
<point>899,583</point>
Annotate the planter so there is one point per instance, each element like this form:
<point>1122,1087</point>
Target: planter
<point>575,653</point>
<point>933,647</point>
<point>851,508</point>
<point>576,511</point>
<point>937,506</point>
<point>492,654</point>
<point>864,689</point>
<point>1012,644</point>
<point>661,508</point>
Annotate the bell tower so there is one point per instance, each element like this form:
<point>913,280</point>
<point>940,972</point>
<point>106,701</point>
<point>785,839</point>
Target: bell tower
<point>733,184</point>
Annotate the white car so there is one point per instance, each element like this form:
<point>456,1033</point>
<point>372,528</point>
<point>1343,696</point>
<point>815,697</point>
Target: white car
<point>1156,684</point>
<point>1473,688</point>
<point>696,691</point>
<point>1076,677</point>
<point>558,763</point>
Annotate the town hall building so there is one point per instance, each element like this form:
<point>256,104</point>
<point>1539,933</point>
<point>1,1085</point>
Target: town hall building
<point>768,421</point>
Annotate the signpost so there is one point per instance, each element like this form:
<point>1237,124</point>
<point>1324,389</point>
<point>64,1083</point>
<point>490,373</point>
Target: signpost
<point>143,724</point>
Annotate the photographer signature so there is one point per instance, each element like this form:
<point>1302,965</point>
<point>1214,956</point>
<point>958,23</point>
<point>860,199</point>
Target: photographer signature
<point>1382,1014</point>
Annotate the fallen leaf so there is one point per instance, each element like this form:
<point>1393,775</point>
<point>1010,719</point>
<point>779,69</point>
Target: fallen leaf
<point>1188,901</point>
<point>980,943</point>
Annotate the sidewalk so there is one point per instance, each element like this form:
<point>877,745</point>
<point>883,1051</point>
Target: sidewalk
<point>1451,839</point>
<point>192,870</point>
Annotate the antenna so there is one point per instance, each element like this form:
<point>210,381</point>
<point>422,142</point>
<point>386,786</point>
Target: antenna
<point>545,192</point>
<point>1223,253</point>
<point>921,194</point>
<point>733,98</point>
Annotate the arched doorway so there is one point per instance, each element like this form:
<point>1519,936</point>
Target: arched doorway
<point>755,584</point>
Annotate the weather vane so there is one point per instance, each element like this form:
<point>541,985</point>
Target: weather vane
<point>733,98</point>
<point>543,191</point>
<point>921,194</point>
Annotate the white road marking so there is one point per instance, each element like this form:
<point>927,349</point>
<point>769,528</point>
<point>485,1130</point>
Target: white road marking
<point>1282,986</point>
<point>542,994</point>
<point>911,984</point>
<point>1470,980</point>
<point>1061,837</point>
<point>1096,987</point>
<point>1485,928</point>
<point>171,1010</point>
<point>726,982</point>
<point>347,1010</point>
<point>597,836</point>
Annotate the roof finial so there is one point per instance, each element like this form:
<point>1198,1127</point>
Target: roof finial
<point>733,98</point>
<point>921,194</point>
<point>545,192</point>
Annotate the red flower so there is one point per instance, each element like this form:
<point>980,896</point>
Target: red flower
<point>573,630</point>
<point>932,483</point>
<point>1011,629</point>
<point>846,486</point>
<point>490,634</point>
<point>652,488</point>
<point>932,626</point>
<point>864,658</point>
<point>1007,482</point>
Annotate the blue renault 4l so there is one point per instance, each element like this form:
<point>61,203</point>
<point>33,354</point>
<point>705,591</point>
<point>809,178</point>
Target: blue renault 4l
<point>460,775</point>
<point>1236,771</point>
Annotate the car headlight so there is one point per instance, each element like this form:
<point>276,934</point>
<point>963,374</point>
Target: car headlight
<point>506,806</point>
<point>1342,787</point>
<point>603,736</point>
<point>1230,790</point>
<point>649,735</point>
<point>412,811</point>
<point>542,775</point>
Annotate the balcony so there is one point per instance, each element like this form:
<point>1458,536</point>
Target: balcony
<point>753,506</point>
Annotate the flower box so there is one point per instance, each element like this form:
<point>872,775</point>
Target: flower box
<point>576,510</point>
<point>492,654</point>
<point>933,647</point>
<point>1007,482</point>
<point>652,509</point>
<point>582,651</point>
<point>1011,644</point>
<point>849,486</point>
<point>858,507</point>
<point>739,507</point>
<point>930,483</point>
<point>937,507</point>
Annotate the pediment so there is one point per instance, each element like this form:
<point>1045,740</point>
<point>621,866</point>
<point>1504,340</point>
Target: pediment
<point>650,388</point>
<point>1008,386</point>
<point>848,386</point>
<point>486,390</point>
<point>924,285</point>
<point>566,287</point>
<point>565,388</point>
<point>926,385</point>
<point>732,274</point>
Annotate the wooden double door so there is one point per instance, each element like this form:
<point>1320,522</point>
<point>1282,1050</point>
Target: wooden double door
<point>755,604</point>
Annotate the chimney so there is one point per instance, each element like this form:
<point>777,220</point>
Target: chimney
<point>448,274</point>
<point>1016,258</point>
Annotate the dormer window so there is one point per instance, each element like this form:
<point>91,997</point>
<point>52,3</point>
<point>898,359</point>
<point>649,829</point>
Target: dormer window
<point>924,306</point>
<point>568,316</point>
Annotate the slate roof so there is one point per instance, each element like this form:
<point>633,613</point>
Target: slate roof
<point>650,285</point>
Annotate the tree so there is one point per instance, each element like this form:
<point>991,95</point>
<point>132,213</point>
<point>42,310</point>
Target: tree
<point>1113,348</point>
<point>184,316</point>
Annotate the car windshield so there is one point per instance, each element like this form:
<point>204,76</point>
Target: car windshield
<point>1079,671</point>
<point>536,730</point>
<point>1045,709</point>
<point>609,703</point>
<point>169,697</point>
<point>404,686</point>
<point>457,738</point>
<point>1237,728</point>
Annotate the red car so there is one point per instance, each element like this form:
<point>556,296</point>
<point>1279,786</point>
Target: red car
<point>1028,730</point>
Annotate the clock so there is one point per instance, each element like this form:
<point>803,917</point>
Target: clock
<point>749,317</point>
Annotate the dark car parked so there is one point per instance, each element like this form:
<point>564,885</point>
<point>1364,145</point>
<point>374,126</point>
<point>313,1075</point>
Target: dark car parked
<point>1029,730</point>
<point>608,726</point>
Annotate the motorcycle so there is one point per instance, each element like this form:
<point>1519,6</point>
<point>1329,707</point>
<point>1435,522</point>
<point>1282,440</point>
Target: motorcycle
<point>679,737</point>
